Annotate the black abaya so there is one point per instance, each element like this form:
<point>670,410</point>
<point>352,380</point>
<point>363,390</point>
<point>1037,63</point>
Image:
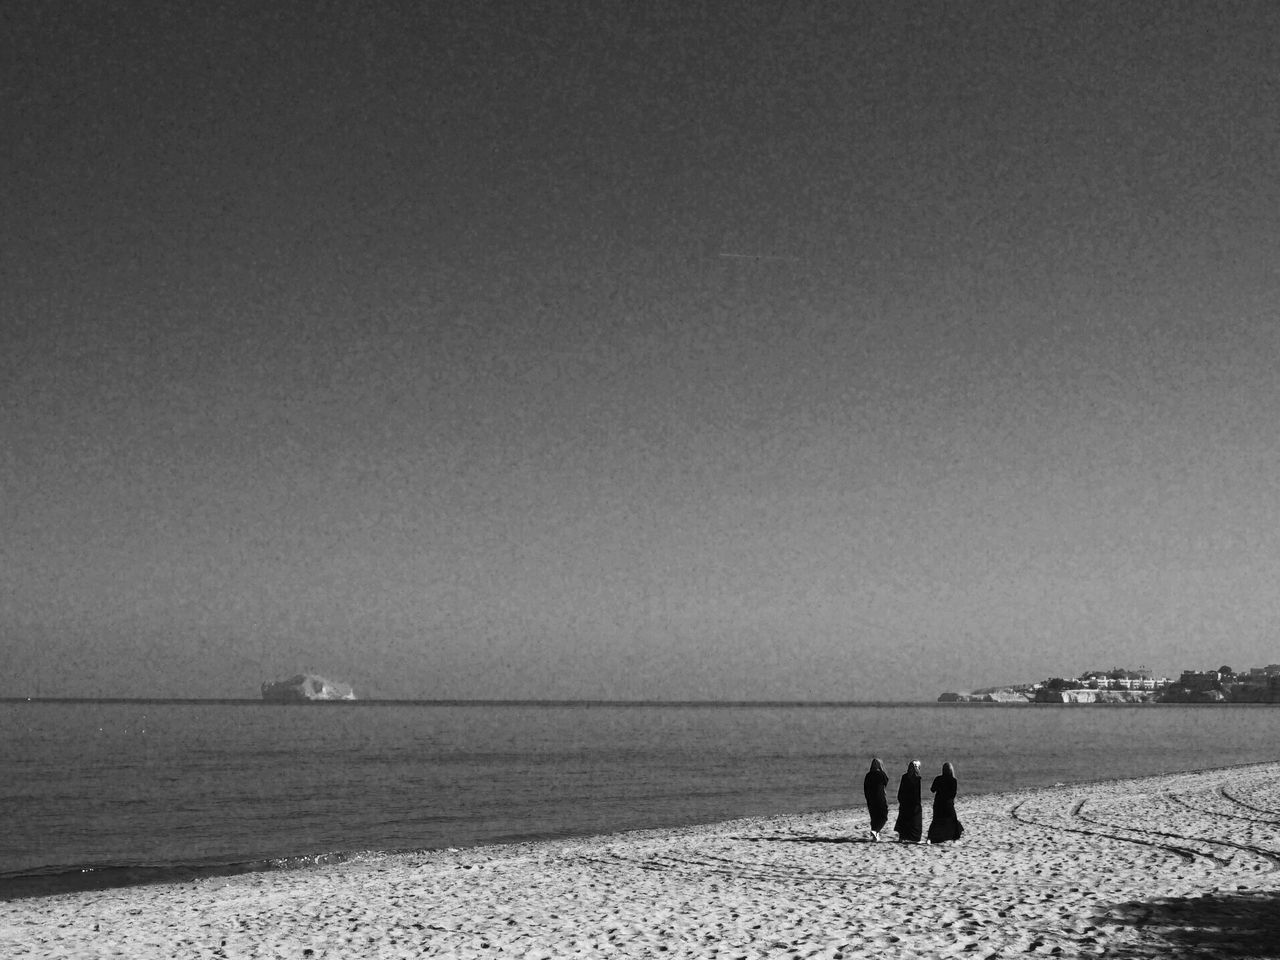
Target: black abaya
<point>909,819</point>
<point>873,786</point>
<point>945,824</point>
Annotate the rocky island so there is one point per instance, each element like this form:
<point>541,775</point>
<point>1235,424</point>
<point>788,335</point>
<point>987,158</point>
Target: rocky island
<point>304,688</point>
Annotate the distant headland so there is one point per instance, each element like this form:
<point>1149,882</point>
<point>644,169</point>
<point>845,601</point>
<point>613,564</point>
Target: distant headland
<point>1120,685</point>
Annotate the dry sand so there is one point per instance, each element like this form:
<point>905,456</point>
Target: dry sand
<point>1178,865</point>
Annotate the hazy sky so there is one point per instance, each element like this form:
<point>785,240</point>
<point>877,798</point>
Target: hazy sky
<point>400,342</point>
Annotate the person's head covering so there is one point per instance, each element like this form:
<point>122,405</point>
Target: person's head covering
<point>914,767</point>
<point>876,765</point>
<point>948,770</point>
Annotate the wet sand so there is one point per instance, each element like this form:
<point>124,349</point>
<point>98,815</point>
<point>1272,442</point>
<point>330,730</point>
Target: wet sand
<point>1183,864</point>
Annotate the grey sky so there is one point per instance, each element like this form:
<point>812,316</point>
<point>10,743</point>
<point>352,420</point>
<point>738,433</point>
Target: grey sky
<point>394,342</point>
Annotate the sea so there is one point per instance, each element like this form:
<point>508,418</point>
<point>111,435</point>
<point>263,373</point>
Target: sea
<point>108,793</point>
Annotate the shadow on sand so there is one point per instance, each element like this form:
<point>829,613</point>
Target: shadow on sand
<point>810,838</point>
<point>1238,924</point>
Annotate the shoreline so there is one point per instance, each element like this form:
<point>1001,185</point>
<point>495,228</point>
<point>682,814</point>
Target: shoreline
<point>1142,866</point>
<point>86,877</point>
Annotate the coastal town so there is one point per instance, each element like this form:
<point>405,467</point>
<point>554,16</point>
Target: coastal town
<point>1140,685</point>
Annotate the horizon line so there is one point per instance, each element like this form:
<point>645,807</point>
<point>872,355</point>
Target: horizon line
<point>478,701</point>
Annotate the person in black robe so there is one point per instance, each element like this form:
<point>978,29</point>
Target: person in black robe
<point>873,786</point>
<point>907,826</point>
<point>945,825</point>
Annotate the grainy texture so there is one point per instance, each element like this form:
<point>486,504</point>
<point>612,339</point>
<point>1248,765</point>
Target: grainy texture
<point>1179,865</point>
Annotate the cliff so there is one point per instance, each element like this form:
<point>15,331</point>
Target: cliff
<point>1096,696</point>
<point>1227,692</point>
<point>1022,694</point>
<point>988,696</point>
<point>305,687</point>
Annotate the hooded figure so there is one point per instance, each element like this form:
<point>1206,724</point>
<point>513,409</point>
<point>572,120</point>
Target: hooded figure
<point>908,823</point>
<point>873,785</point>
<point>945,824</point>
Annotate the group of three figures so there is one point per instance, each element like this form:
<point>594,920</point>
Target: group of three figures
<point>944,826</point>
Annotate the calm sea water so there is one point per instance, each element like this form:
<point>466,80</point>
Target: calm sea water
<point>145,790</point>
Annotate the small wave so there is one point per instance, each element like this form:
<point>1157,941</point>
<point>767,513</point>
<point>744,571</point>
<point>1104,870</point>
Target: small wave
<point>44,882</point>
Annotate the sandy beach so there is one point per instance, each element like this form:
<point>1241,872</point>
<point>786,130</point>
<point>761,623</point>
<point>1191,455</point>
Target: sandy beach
<point>1181,865</point>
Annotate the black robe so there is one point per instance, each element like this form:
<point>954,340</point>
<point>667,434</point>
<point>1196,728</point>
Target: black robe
<point>909,819</point>
<point>873,785</point>
<point>945,824</point>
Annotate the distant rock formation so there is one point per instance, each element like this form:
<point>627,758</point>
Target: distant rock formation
<point>305,687</point>
<point>1179,694</point>
<point>1066,696</point>
<point>1096,696</point>
<point>1005,696</point>
<point>1001,695</point>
